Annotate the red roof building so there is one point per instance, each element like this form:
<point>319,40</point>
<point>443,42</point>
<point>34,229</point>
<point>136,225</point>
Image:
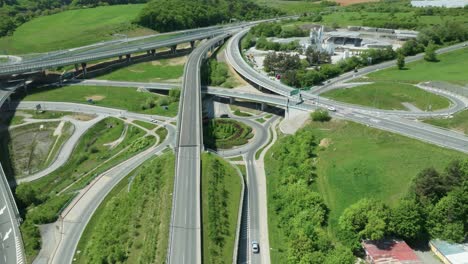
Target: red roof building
<point>389,252</point>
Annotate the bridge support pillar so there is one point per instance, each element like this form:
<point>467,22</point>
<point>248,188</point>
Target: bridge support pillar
<point>83,67</point>
<point>77,69</point>
<point>120,57</point>
<point>153,52</point>
<point>174,49</point>
<point>128,57</point>
<point>262,106</point>
<point>231,100</point>
<point>192,44</point>
<point>148,52</point>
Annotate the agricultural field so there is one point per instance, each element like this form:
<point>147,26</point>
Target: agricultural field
<point>32,147</point>
<point>221,189</point>
<point>352,162</point>
<point>165,70</point>
<point>120,217</point>
<point>389,95</point>
<point>73,28</point>
<point>225,133</point>
<point>451,67</point>
<point>116,97</point>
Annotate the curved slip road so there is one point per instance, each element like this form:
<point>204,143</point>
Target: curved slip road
<point>235,59</point>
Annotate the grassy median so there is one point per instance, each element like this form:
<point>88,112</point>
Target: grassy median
<point>115,97</point>
<point>163,70</point>
<point>459,122</point>
<point>388,95</point>
<point>132,223</point>
<point>221,189</point>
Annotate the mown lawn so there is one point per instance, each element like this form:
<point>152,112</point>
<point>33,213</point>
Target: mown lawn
<point>153,71</point>
<point>221,189</point>
<point>459,122</point>
<point>136,213</point>
<point>72,29</point>
<point>452,67</point>
<point>365,162</point>
<point>389,95</point>
<point>116,97</point>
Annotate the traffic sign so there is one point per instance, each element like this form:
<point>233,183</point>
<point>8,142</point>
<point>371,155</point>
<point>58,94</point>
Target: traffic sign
<point>294,92</point>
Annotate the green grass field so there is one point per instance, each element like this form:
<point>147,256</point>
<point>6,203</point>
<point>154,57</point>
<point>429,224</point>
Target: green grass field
<point>290,7</point>
<point>136,211</point>
<point>116,97</point>
<point>452,67</point>
<point>153,71</point>
<point>147,125</point>
<point>365,162</point>
<point>459,122</point>
<point>72,29</point>
<point>353,162</point>
<point>387,95</point>
<point>221,189</point>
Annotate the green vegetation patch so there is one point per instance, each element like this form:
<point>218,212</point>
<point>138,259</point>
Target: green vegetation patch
<point>115,97</point>
<point>225,133</point>
<point>152,71</point>
<point>345,162</point>
<point>451,67</point>
<point>144,124</point>
<point>387,95</point>
<point>134,218</point>
<point>356,162</point>
<point>459,122</point>
<point>98,150</point>
<point>72,28</point>
<point>219,74</point>
<point>221,189</point>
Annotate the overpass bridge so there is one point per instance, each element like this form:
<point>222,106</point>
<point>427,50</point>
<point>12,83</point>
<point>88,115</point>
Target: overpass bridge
<point>185,237</point>
<point>11,250</point>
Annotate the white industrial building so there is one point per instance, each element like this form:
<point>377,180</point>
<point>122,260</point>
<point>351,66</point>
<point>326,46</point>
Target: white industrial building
<point>440,3</point>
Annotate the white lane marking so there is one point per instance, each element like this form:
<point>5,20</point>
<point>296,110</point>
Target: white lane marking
<point>2,210</point>
<point>7,234</point>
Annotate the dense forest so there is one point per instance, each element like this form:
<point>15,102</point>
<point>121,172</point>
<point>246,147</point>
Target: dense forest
<point>169,15</point>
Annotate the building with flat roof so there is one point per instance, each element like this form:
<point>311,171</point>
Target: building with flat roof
<point>450,253</point>
<point>389,251</point>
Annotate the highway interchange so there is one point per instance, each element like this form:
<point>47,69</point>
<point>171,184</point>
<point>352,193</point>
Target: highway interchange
<point>185,234</point>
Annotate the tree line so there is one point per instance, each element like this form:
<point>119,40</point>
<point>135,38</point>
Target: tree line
<point>301,213</point>
<point>170,15</point>
<point>436,206</point>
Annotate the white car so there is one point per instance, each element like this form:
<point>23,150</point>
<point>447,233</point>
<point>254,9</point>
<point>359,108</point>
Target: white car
<point>255,247</point>
<point>331,108</point>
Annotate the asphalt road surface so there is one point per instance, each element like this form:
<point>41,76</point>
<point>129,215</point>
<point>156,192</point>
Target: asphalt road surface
<point>185,232</point>
<point>10,248</point>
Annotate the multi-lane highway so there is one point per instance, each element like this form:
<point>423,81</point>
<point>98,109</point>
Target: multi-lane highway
<point>185,232</point>
<point>11,249</point>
